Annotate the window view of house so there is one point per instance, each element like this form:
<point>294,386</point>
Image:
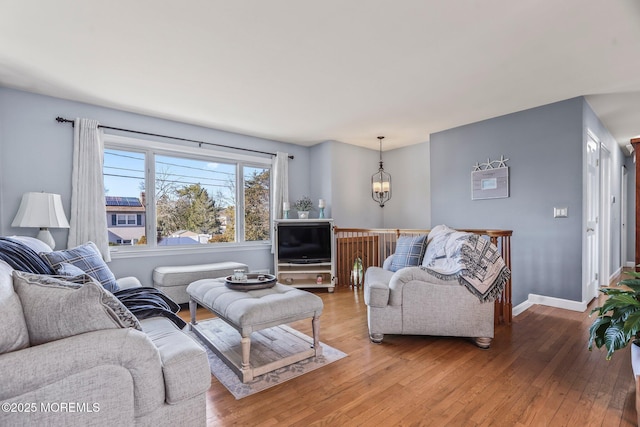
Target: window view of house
<point>124,200</point>
<point>125,220</point>
<point>194,200</point>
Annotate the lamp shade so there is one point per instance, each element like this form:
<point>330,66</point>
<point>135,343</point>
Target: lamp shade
<point>43,210</point>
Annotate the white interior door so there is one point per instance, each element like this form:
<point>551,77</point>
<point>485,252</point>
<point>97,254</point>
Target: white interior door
<point>606,205</point>
<point>590,279</point>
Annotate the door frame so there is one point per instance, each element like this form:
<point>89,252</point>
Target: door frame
<point>590,227</point>
<point>605,217</point>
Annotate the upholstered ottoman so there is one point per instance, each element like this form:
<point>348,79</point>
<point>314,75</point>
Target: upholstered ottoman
<point>173,280</point>
<point>252,311</point>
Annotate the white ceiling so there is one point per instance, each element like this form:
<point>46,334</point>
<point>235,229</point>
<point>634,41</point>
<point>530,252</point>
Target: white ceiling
<point>346,70</point>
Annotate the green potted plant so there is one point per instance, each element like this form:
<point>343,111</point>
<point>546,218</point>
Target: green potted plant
<point>618,321</point>
<point>303,206</point>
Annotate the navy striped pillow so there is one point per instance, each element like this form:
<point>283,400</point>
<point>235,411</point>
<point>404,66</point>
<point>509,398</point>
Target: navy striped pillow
<point>88,259</point>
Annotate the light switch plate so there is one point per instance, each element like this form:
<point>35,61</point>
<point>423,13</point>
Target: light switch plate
<point>560,212</point>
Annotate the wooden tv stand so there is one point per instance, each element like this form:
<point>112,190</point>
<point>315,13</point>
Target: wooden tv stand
<point>305,275</point>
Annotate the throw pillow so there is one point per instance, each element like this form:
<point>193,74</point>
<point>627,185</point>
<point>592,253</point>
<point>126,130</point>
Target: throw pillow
<point>127,318</point>
<point>88,259</point>
<point>36,244</point>
<point>13,334</point>
<point>66,269</point>
<point>409,251</point>
<point>56,309</point>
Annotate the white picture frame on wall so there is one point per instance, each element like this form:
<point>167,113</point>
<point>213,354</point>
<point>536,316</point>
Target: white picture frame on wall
<point>490,183</point>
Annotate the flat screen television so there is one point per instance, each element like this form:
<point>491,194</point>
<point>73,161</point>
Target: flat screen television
<point>304,243</point>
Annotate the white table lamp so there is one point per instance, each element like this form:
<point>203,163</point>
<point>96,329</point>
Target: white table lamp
<point>43,210</point>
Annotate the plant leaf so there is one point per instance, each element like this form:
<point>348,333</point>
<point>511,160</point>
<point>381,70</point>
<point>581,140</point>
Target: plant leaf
<point>632,324</point>
<point>632,273</point>
<point>620,302</point>
<point>618,318</point>
<point>597,331</point>
<point>616,291</point>
<point>631,283</point>
<point>615,339</point>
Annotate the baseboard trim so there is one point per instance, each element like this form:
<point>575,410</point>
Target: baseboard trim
<point>557,302</point>
<point>521,308</point>
<point>615,274</point>
<point>548,301</point>
<point>630,264</point>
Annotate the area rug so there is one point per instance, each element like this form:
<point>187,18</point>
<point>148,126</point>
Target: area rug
<point>239,390</point>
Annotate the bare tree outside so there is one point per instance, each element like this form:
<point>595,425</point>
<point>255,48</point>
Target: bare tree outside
<point>256,204</point>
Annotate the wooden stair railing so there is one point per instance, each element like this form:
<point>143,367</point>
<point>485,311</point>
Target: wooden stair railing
<point>374,245</point>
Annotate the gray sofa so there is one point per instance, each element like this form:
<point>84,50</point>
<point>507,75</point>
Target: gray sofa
<point>415,300</point>
<point>112,375</point>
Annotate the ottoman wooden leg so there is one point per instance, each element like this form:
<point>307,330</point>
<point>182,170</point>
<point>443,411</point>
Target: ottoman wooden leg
<point>315,324</point>
<point>247,372</point>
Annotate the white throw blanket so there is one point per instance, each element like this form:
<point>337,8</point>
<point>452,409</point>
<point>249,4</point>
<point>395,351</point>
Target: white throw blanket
<point>472,260</point>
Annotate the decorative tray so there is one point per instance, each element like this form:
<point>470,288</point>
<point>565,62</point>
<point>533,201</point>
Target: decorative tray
<point>251,282</point>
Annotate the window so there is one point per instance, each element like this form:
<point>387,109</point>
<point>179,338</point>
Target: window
<point>126,219</point>
<point>256,203</point>
<point>193,197</point>
<point>162,195</point>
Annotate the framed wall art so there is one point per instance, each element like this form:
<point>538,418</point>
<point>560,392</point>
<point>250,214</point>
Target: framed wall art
<point>490,180</point>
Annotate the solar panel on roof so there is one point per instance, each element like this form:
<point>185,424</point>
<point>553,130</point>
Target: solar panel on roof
<point>122,201</point>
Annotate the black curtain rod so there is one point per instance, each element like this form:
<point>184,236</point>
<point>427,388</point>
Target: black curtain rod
<point>63,120</point>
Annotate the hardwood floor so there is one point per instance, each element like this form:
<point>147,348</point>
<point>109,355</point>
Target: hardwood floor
<point>538,372</point>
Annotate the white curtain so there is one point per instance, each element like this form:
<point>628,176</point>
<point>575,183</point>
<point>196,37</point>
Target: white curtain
<point>88,217</point>
<point>280,170</point>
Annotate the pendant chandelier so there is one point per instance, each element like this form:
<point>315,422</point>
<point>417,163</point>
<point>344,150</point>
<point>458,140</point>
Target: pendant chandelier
<point>381,182</point>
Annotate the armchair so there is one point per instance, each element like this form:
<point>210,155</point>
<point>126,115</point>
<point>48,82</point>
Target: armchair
<point>412,302</point>
<point>444,288</point>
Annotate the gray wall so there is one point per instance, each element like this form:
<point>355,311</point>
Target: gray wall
<point>341,174</point>
<point>36,154</point>
<point>544,147</point>
<point>350,178</point>
<point>410,204</point>
<point>320,170</point>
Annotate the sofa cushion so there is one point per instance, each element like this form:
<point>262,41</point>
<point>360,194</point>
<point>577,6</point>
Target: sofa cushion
<point>13,334</point>
<point>56,309</point>
<point>184,362</point>
<point>409,252</point>
<point>88,259</point>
